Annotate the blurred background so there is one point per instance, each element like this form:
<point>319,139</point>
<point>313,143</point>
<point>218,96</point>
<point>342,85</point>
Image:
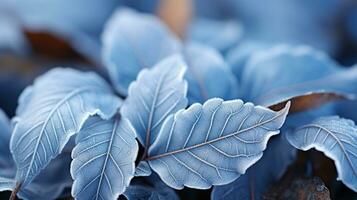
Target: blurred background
<point>37,35</point>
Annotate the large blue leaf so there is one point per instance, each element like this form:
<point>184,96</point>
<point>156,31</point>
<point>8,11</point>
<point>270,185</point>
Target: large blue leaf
<point>47,185</point>
<point>157,93</point>
<point>221,35</point>
<point>132,41</point>
<point>336,138</point>
<point>285,72</point>
<point>213,143</point>
<point>104,158</point>
<point>252,185</point>
<point>50,112</point>
<point>149,188</point>
<point>208,75</point>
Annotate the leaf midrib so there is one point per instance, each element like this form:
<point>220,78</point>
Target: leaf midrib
<point>104,167</point>
<point>337,140</point>
<point>216,139</point>
<point>67,97</point>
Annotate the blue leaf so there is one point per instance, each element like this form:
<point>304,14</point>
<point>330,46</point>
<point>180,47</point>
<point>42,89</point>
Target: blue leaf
<point>347,109</point>
<point>213,143</point>
<point>133,41</point>
<point>268,81</point>
<point>143,169</point>
<point>336,138</point>
<point>252,185</point>
<point>208,75</point>
<point>52,180</point>
<point>351,20</point>
<point>157,93</point>
<point>238,57</point>
<point>11,37</point>
<point>149,188</point>
<point>221,35</point>
<point>103,159</point>
<point>47,185</point>
<point>294,120</point>
<point>50,112</point>
<point>5,134</point>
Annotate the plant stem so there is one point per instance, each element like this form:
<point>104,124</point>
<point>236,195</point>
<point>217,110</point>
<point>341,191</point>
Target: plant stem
<point>15,191</point>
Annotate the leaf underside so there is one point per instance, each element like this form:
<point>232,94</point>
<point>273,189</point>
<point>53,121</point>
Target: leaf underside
<point>336,138</point>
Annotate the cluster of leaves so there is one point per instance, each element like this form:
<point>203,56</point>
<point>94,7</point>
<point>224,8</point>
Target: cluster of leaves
<point>180,101</point>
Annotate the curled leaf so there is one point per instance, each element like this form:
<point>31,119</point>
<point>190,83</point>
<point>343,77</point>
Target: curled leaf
<point>213,143</point>
<point>336,138</point>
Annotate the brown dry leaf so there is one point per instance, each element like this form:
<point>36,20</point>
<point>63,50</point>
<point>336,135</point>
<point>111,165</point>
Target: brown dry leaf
<point>176,14</point>
<point>49,45</point>
<point>302,103</point>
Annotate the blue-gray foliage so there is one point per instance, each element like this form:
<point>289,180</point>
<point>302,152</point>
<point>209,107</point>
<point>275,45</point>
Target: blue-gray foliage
<point>221,35</point>
<point>103,159</point>
<point>49,184</point>
<point>157,93</point>
<point>73,135</point>
<point>150,188</point>
<point>129,40</point>
<point>277,157</point>
<point>294,72</point>
<point>133,41</point>
<point>336,138</point>
<point>208,75</point>
<point>50,112</point>
<point>213,143</point>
